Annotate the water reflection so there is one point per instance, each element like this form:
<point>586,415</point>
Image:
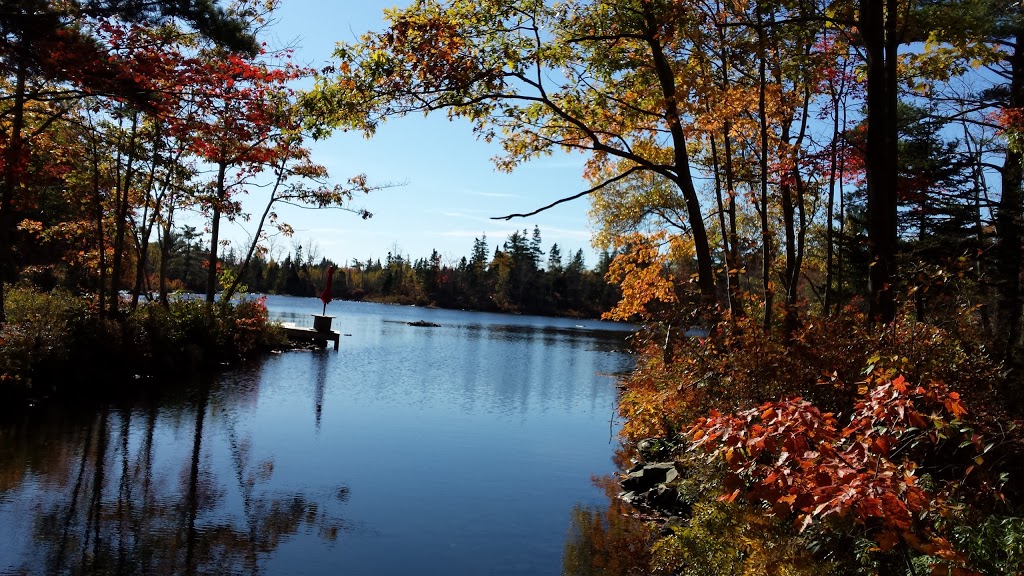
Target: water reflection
<point>321,361</point>
<point>601,340</point>
<point>459,448</point>
<point>606,540</point>
<point>135,490</point>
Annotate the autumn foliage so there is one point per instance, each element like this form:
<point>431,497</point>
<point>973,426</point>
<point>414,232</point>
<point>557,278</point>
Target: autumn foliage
<point>852,439</point>
<point>801,461</point>
<point>121,116</point>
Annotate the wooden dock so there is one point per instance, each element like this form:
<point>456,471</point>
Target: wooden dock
<point>308,334</point>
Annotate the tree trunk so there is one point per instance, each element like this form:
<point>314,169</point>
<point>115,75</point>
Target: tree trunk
<point>148,221</point>
<point>980,269</point>
<point>766,248</point>
<point>12,160</point>
<point>734,249</point>
<point>732,256</point>
<point>166,241</point>
<point>795,235</point>
<point>878,31</point>
<point>211,273</point>
<point>142,260</point>
<point>735,308</point>
<point>101,247</point>
<point>279,180</point>
<point>789,279</point>
<point>684,180</point>
<point>1009,306</point>
<point>122,204</point>
<point>830,249</point>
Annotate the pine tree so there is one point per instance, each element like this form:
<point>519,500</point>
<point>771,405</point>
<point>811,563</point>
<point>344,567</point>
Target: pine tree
<point>554,259</point>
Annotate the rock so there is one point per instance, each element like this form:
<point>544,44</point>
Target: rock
<point>423,324</point>
<point>635,481</point>
<point>661,472</point>
<point>650,476</point>
<point>665,501</point>
<point>653,487</point>
<point>663,498</point>
<point>654,449</point>
<point>629,497</point>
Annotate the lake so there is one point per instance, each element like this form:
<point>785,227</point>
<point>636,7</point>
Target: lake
<point>459,449</point>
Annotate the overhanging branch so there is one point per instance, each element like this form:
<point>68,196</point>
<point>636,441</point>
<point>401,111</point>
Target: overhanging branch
<point>573,197</point>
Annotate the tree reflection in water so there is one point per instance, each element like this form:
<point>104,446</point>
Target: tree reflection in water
<point>106,499</point>
<point>606,541</point>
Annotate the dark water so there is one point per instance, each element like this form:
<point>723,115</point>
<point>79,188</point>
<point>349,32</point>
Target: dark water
<point>461,449</point>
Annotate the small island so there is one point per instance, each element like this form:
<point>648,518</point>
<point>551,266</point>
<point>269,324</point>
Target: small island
<point>423,324</point>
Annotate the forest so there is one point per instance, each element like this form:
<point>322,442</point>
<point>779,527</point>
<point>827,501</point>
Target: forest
<point>117,118</point>
<point>122,118</point>
<point>830,191</point>
<point>170,116</point>
<point>517,277</point>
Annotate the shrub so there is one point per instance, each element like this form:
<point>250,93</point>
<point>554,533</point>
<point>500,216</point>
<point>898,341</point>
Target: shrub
<point>870,448</point>
<point>249,328</point>
<point>42,332</point>
<point>50,335</point>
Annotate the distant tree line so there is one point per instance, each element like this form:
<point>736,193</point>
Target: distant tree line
<point>518,276</point>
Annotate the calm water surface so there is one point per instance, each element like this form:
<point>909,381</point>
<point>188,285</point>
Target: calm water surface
<point>453,450</point>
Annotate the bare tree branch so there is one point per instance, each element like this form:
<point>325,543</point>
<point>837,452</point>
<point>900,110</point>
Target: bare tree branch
<point>573,197</point>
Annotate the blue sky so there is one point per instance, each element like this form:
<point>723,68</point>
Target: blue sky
<point>450,186</point>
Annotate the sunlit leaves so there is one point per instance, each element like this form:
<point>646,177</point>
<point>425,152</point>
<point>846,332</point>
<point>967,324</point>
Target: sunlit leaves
<point>644,202</point>
<point>642,270</point>
<point>575,75</point>
<point>805,463</point>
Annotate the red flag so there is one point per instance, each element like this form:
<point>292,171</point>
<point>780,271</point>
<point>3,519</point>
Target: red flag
<point>326,295</point>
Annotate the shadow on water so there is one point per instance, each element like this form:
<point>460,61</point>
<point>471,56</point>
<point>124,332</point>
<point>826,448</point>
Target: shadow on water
<point>140,488</point>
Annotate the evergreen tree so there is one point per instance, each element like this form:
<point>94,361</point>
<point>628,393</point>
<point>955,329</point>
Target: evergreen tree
<point>554,259</point>
<point>535,247</point>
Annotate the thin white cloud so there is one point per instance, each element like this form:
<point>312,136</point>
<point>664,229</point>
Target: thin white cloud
<point>561,164</point>
<point>466,216</point>
<point>494,194</point>
<point>548,232</point>
<point>326,230</point>
<point>474,233</point>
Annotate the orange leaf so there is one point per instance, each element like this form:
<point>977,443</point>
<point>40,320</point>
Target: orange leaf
<point>887,540</point>
<point>729,497</point>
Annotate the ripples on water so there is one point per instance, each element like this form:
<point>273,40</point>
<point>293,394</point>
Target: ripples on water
<point>460,449</point>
